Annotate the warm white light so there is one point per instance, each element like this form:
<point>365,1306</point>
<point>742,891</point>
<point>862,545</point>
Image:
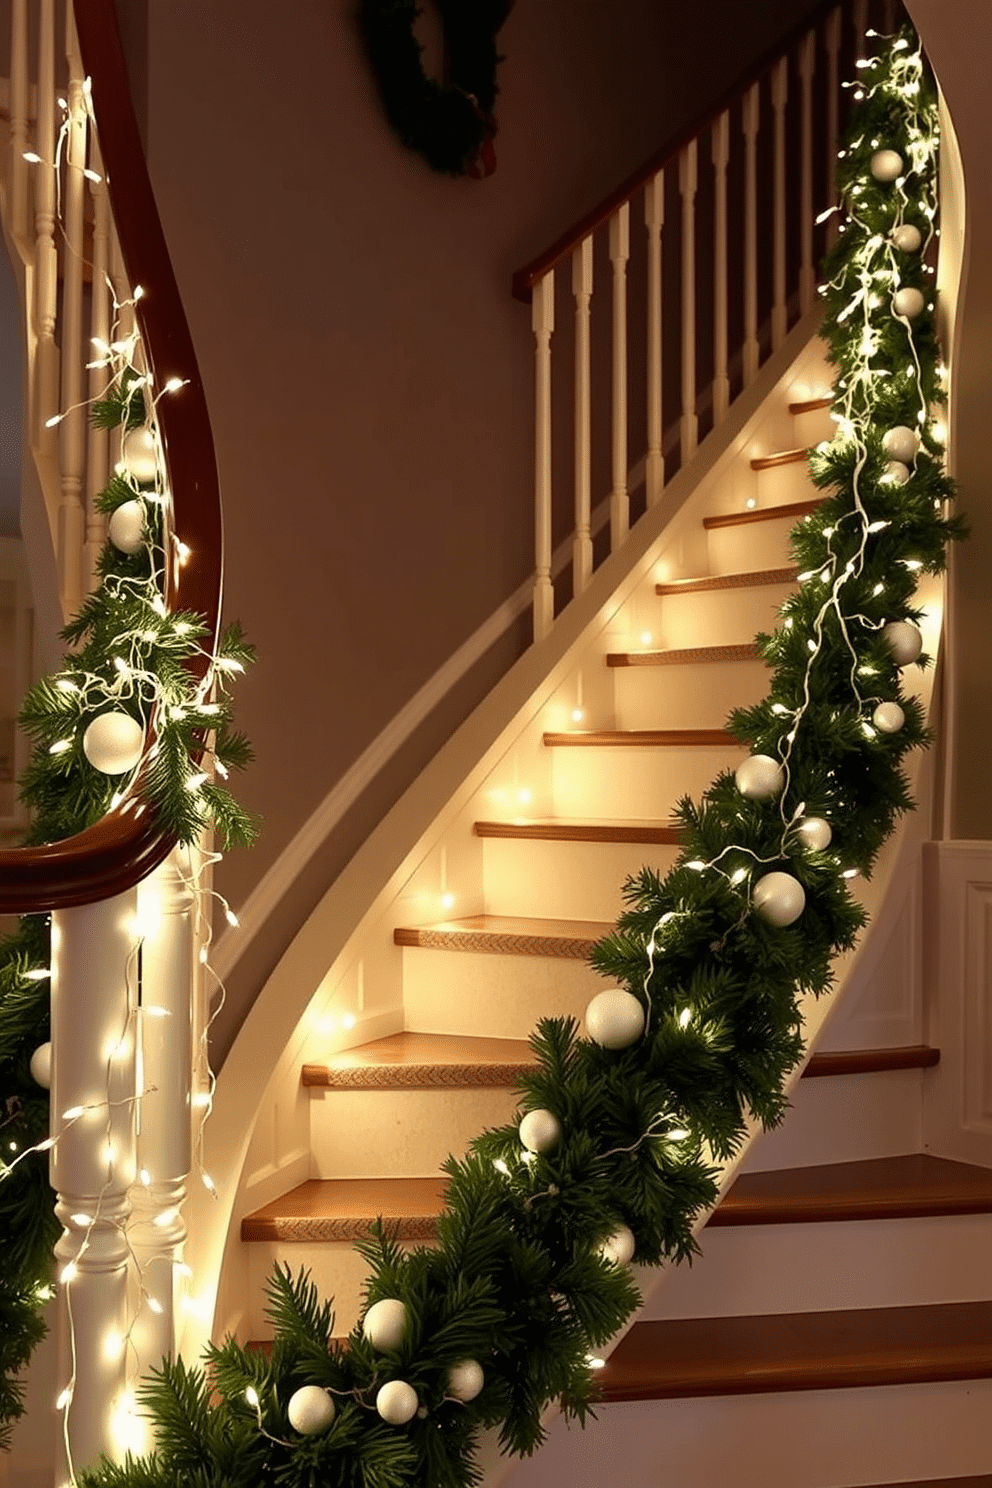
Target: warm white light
<point>501,1167</point>
<point>231,918</point>
<point>39,974</point>
<point>144,1177</point>
<point>60,746</point>
<point>175,383</point>
<point>697,864</point>
<point>82,1220</point>
<point>195,782</point>
<point>850,873</point>
<point>155,1305</point>
<point>208,1183</point>
<point>447,901</point>
<point>64,1398</point>
<point>678,1134</point>
<point>251,1395</point>
<point>685,1017</point>
<point>594,1362</point>
<point>72,1113</point>
<point>578,714</point>
<point>750,503</point>
<point>646,638</point>
<point>31,157</point>
<point>739,876</point>
<point>68,1273</point>
<point>348,1020</point>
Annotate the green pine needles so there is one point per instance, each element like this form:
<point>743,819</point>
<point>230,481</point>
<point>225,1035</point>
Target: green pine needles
<point>502,1317</point>
<point>128,658</point>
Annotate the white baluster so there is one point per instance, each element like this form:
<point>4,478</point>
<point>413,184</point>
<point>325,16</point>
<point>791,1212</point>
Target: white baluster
<point>45,391</point>
<point>688,179</point>
<point>619,254</point>
<point>832,38</point>
<point>72,430</point>
<point>807,64</point>
<point>543,322</point>
<point>97,443</point>
<point>158,1231</point>
<point>749,122</point>
<point>654,219</point>
<point>17,172</point>
<point>721,155</point>
<point>94,976</point>
<point>582,542</point>
<point>780,93</point>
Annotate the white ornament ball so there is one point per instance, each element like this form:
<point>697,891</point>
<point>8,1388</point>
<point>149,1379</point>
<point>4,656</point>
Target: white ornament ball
<point>901,443</point>
<point>888,718</point>
<point>113,743</point>
<point>619,1247</point>
<point>397,1402</point>
<point>615,1019</point>
<point>908,239</point>
<point>908,302</point>
<point>779,898</point>
<point>759,776</point>
<point>896,473</point>
<point>465,1379</point>
<point>886,165</point>
<point>905,640</point>
<point>540,1131</point>
<point>41,1066</point>
<point>139,455</point>
<point>815,833</point>
<point>126,528</point>
<point>311,1410</point>
<point>384,1324</point>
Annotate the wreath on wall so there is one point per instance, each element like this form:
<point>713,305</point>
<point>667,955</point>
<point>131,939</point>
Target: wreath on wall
<point>448,120</point>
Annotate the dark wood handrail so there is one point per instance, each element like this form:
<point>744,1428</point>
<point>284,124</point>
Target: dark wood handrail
<point>524,279</point>
<point>126,844</point>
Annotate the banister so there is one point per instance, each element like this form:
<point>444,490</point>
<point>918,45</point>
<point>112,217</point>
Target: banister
<point>126,844</point>
<point>525,278</point>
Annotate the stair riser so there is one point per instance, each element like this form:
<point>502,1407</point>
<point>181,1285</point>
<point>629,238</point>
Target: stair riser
<point>496,996</point>
<point>843,1120</point>
<point>812,427</point>
<point>629,782</point>
<point>805,1439</point>
<point>336,1268</point>
<point>719,617</point>
<point>399,1133</point>
<point>571,880</point>
<point>690,696</point>
<point>781,483</point>
<point>751,545</point>
<point>826,1267</point>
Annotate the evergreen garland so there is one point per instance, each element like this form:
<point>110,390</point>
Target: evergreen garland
<point>129,655</point>
<point>524,1278</point>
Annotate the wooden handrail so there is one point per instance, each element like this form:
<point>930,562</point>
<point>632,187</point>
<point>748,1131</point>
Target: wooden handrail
<point>126,844</point>
<point>525,278</point>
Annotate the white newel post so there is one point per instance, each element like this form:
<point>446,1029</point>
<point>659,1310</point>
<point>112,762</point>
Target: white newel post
<point>543,322</point>
<point>94,992</point>
<point>164,1120</point>
<point>619,497</point>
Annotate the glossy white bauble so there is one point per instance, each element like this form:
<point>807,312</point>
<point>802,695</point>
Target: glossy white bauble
<point>540,1131</point>
<point>126,528</point>
<point>886,165</point>
<point>908,239</point>
<point>41,1066</point>
<point>888,718</point>
<point>815,833</point>
<point>619,1247</point>
<point>901,443</point>
<point>311,1410</point>
<point>139,455</point>
<point>113,743</point>
<point>908,302</point>
<point>759,776</point>
<point>905,640</point>
<point>896,473</point>
<point>779,898</point>
<point>384,1325</point>
<point>615,1019</point>
<point>397,1402</point>
<point>465,1380</point>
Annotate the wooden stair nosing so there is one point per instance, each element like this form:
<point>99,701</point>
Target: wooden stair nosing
<point>682,656</point>
<point>641,738</point>
<point>763,513</point>
<point>984,1481</point>
<point>810,405</point>
<point>507,936</point>
<point>754,579</point>
<point>562,830</point>
<point>871,1061</point>
<point>780,457</point>
<point>683,1358</point>
<point>344,1210</point>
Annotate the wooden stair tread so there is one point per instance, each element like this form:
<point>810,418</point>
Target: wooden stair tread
<point>764,513</point>
<point>323,1209</point>
<point>641,738</point>
<point>689,655</point>
<point>751,580</point>
<point>871,1061</point>
<point>913,1186</point>
<point>780,457</point>
<point>575,829</point>
<point>985,1481</point>
<point>424,1061</point>
<point>874,1346</point>
<point>511,935</point>
<point>810,405</point>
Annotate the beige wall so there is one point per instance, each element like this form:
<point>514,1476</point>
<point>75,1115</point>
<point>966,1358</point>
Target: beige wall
<point>368,373</point>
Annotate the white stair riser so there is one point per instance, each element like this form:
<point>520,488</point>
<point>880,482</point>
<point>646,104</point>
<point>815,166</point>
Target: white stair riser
<point>697,695</point>
<point>492,996</point>
<point>824,1267</point>
<point>719,617</point>
<point>813,427</point>
<point>570,880</point>
<point>336,1267</point>
<point>781,483</point>
<point>844,1118</point>
<point>399,1133</point>
<point>750,545</point>
<point>635,782</point>
<point>805,1439</point>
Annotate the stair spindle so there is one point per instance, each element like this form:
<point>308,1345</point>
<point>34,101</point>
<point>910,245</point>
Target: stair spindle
<point>688,181</point>
<point>582,542</point>
<point>832,38</point>
<point>543,323</point>
<point>749,121</point>
<point>72,429</point>
<point>619,254</point>
<point>654,220</point>
<point>807,65</point>
<point>18,167</point>
<point>45,393</point>
<point>97,443</point>
<point>780,95</point>
<point>721,154</point>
